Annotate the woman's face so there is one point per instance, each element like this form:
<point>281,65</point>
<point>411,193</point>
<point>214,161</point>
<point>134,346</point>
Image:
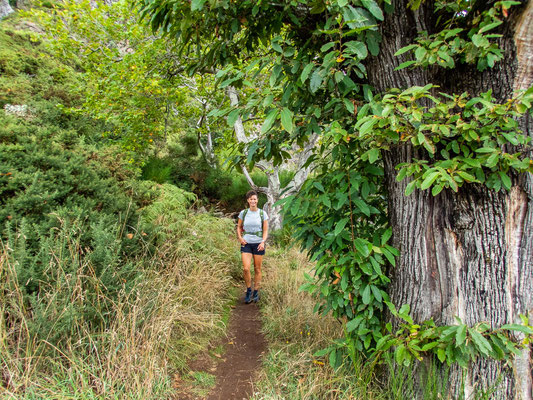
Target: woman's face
<point>252,201</point>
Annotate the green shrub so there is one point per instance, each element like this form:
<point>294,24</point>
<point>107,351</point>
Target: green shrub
<point>28,74</point>
<point>157,170</point>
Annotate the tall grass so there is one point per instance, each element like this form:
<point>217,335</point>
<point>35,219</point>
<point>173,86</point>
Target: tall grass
<point>151,329</point>
<point>295,332</point>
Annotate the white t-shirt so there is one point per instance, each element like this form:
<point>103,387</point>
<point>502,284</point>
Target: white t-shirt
<point>252,223</point>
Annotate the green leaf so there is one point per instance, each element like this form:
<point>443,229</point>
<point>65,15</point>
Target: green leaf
<point>232,117</point>
<point>362,206</point>
<point>286,120</point>
<point>316,80</point>
<point>386,236</point>
<point>344,282</point>
<point>399,354</point>
<point>405,49</point>
<point>306,72</point>
<point>429,346</point>
<point>321,353</point>
<point>437,189</point>
<point>389,256</point>
<point>333,358</point>
<point>441,354</point>
<point>374,9</point>
<point>327,46</point>
<point>269,120</point>
<point>429,180</point>
<point>340,226</point>
<point>405,65</point>
<point>251,151</point>
<point>197,5</point>
<point>376,266</point>
<point>349,105</point>
<point>490,26</point>
<point>367,126</point>
<point>410,188</point>
<point>506,181</point>
<point>481,343</point>
<point>357,48</point>
<point>466,176</point>
<point>366,295</point>
<point>376,292</point>
<point>353,324</point>
<point>373,155</point>
<point>373,39</point>
<point>479,40</point>
<point>319,186</point>
<point>460,335</point>
<point>485,150</point>
<point>277,47</point>
<point>404,310</point>
<point>362,247</point>
<point>519,328</point>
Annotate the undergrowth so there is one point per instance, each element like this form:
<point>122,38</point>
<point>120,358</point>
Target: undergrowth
<point>146,331</point>
<point>293,370</point>
<point>295,332</point>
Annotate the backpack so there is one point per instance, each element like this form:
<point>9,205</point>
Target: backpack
<point>261,214</point>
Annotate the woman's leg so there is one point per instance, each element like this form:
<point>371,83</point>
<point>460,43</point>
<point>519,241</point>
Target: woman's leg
<point>246,262</point>
<point>258,260</point>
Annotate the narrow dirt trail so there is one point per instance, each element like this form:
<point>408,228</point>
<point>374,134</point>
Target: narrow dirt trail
<point>244,347</point>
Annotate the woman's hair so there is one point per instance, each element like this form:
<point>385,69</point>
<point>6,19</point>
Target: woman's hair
<point>250,194</point>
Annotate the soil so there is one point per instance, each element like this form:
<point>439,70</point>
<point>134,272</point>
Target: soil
<point>236,369</point>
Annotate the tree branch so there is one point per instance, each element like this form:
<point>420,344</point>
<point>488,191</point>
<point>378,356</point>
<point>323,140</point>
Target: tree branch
<point>238,125</point>
<point>251,182</point>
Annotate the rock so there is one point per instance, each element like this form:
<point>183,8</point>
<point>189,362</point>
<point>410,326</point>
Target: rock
<point>18,110</point>
<point>5,8</point>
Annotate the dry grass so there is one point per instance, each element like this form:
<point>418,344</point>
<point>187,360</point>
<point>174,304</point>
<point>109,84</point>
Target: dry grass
<point>295,332</point>
<point>173,312</point>
<point>288,313</point>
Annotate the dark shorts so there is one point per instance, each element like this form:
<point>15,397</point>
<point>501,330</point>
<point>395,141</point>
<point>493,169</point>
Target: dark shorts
<point>252,248</point>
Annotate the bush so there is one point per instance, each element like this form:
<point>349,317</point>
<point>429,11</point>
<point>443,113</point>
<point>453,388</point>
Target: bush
<point>28,74</point>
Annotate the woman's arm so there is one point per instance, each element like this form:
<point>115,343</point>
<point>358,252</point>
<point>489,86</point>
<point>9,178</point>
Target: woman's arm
<point>239,232</point>
<point>265,236</point>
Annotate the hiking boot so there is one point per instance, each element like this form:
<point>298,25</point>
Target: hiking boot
<point>248,297</point>
<point>255,296</point>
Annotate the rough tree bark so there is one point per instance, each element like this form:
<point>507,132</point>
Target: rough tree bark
<point>273,190</point>
<point>466,254</point>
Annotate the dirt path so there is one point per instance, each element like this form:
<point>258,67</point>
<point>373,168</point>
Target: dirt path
<point>245,345</point>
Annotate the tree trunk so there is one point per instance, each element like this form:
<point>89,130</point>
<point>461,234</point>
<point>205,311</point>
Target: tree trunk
<point>5,8</point>
<point>467,254</point>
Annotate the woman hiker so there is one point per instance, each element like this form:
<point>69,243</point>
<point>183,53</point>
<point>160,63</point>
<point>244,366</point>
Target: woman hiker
<point>252,231</point>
